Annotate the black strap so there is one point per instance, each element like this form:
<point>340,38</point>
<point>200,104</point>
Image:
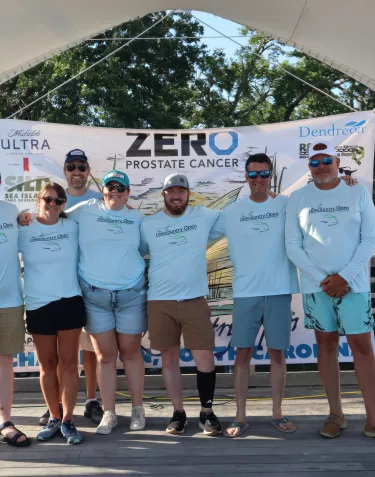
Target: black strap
<point>17,436</point>
<point>6,424</point>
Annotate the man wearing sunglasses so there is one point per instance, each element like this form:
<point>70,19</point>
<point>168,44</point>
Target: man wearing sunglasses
<point>262,287</point>
<point>330,237</point>
<point>77,173</point>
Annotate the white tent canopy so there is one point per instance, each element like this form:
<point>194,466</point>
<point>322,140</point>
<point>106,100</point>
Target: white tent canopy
<point>338,32</point>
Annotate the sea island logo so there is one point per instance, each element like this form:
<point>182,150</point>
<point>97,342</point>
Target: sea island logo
<point>352,127</point>
<point>23,188</point>
<point>24,139</point>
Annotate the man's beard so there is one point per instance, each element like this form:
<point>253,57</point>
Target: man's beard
<point>78,185</point>
<point>176,211</point>
<point>327,180</point>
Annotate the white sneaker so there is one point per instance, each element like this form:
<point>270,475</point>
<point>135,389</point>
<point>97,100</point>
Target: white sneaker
<point>108,422</point>
<point>138,421</point>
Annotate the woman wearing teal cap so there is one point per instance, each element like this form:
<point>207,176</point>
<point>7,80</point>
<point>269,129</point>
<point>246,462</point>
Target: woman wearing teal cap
<point>111,276</point>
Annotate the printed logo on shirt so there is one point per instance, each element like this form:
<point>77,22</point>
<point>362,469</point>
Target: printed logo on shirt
<point>110,221</point>
<point>3,238</point>
<point>116,229</point>
<point>4,225</point>
<point>267,215</point>
<point>177,236</point>
<point>328,214</point>
<point>49,241</point>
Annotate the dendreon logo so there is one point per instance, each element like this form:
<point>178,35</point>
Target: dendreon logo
<point>351,127</point>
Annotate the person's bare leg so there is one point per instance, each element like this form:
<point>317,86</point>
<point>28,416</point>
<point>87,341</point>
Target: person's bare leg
<point>68,342</point>
<point>46,348</point>
<point>172,376</point>
<point>278,380</point>
<point>89,366</point>
<point>241,385</point>
<point>59,377</point>
<point>106,350</point>
<point>329,369</point>
<point>134,366</point>
<point>364,365</point>
<point>6,395</point>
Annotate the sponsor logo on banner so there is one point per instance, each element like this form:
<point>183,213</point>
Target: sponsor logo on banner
<point>351,127</point>
<point>346,151</point>
<point>17,141</point>
<point>23,189</point>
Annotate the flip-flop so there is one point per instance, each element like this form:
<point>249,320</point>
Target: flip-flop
<point>276,423</point>
<point>241,425</point>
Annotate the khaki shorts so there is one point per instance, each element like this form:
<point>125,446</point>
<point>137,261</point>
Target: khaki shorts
<point>168,318</point>
<point>85,342</point>
<point>12,330</point>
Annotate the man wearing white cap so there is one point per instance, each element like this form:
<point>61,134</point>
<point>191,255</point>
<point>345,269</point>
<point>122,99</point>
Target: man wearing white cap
<point>330,237</point>
<point>176,238</point>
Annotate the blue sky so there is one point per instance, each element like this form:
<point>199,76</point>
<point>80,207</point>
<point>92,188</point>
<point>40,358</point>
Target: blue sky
<point>226,26</point>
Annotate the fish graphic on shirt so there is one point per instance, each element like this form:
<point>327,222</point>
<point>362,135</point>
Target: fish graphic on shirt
<point>116,229</point>
<point>3,238</point>
<point>260,226</point>
<point>52,246</point>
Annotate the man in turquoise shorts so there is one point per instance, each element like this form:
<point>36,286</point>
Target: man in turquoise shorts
<point>330,237</point>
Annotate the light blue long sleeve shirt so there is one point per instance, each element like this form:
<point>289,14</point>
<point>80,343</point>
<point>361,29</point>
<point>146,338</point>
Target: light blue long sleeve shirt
<point>331,232</point>
<point>178,268</point>
<point>74,200</point>
<point>10,270</point>
<point>50,255</point>
<point>109,243</point>
<point>255,233</point>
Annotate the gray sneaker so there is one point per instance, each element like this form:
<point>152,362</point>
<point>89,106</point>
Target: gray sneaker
<point>69,431</point>
<point>50,430</point>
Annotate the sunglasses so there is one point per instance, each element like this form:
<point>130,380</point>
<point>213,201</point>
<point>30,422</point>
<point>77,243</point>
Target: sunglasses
<point>262,174</point>
<point>326,161</point>
<point>73,167</point>
<point>119,187</point>
<point>57,200</point>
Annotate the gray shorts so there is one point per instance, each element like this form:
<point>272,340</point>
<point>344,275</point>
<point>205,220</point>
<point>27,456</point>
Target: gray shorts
<point>273,312</point>
<point>122,310</point>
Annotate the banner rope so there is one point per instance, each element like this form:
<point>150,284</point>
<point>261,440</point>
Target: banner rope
<point>274,63</point>
<point>91,66</point>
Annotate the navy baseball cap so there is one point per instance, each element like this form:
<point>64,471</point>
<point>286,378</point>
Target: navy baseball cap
<point>76,154</point>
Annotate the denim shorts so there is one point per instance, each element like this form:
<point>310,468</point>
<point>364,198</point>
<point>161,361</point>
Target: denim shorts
<point>349,315</point>
<point>273,312</point>
<point>122,310</point>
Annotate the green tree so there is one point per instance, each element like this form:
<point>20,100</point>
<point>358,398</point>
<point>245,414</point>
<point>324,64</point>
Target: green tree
<point>147,84</point>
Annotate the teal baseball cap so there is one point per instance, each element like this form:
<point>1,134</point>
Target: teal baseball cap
<point>117,176</point>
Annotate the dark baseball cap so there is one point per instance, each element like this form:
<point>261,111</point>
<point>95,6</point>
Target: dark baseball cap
<point>76,154</point>
<point>176,180</point>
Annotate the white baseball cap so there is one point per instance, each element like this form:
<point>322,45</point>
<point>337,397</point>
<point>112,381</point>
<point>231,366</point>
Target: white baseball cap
<point>321,147</point>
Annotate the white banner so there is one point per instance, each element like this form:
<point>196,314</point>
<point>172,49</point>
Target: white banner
<point>32,154</point>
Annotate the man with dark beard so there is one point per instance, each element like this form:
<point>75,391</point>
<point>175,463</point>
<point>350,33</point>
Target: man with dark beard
<point>176,238</point>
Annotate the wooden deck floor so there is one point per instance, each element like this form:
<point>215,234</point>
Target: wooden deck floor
<point>263,451</point>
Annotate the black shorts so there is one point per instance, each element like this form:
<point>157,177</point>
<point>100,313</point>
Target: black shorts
<point>61,315</point>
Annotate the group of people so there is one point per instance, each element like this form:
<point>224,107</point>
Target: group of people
<point>84,268</point>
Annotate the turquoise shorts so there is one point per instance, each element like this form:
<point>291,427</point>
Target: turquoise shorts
<point>349,315</point>
<point>273,312</point>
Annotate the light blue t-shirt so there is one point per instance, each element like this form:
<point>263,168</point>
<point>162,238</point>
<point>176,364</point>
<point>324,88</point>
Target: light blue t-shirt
<point>329,232</point>
<point>255,233</point>
<point>74,200</point>
<point>177,245</point>
<point>109,243</point>
<point>50,255</point>
<point>10,270</point>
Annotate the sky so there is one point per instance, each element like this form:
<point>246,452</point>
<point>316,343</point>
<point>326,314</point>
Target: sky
<point>226,26</point>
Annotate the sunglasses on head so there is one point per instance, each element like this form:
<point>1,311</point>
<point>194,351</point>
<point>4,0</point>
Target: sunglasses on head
<point>262,174</point>
<point>73,167</point>
<point>57,200</point>
<point>119,187</point>
<point>326,161</point>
